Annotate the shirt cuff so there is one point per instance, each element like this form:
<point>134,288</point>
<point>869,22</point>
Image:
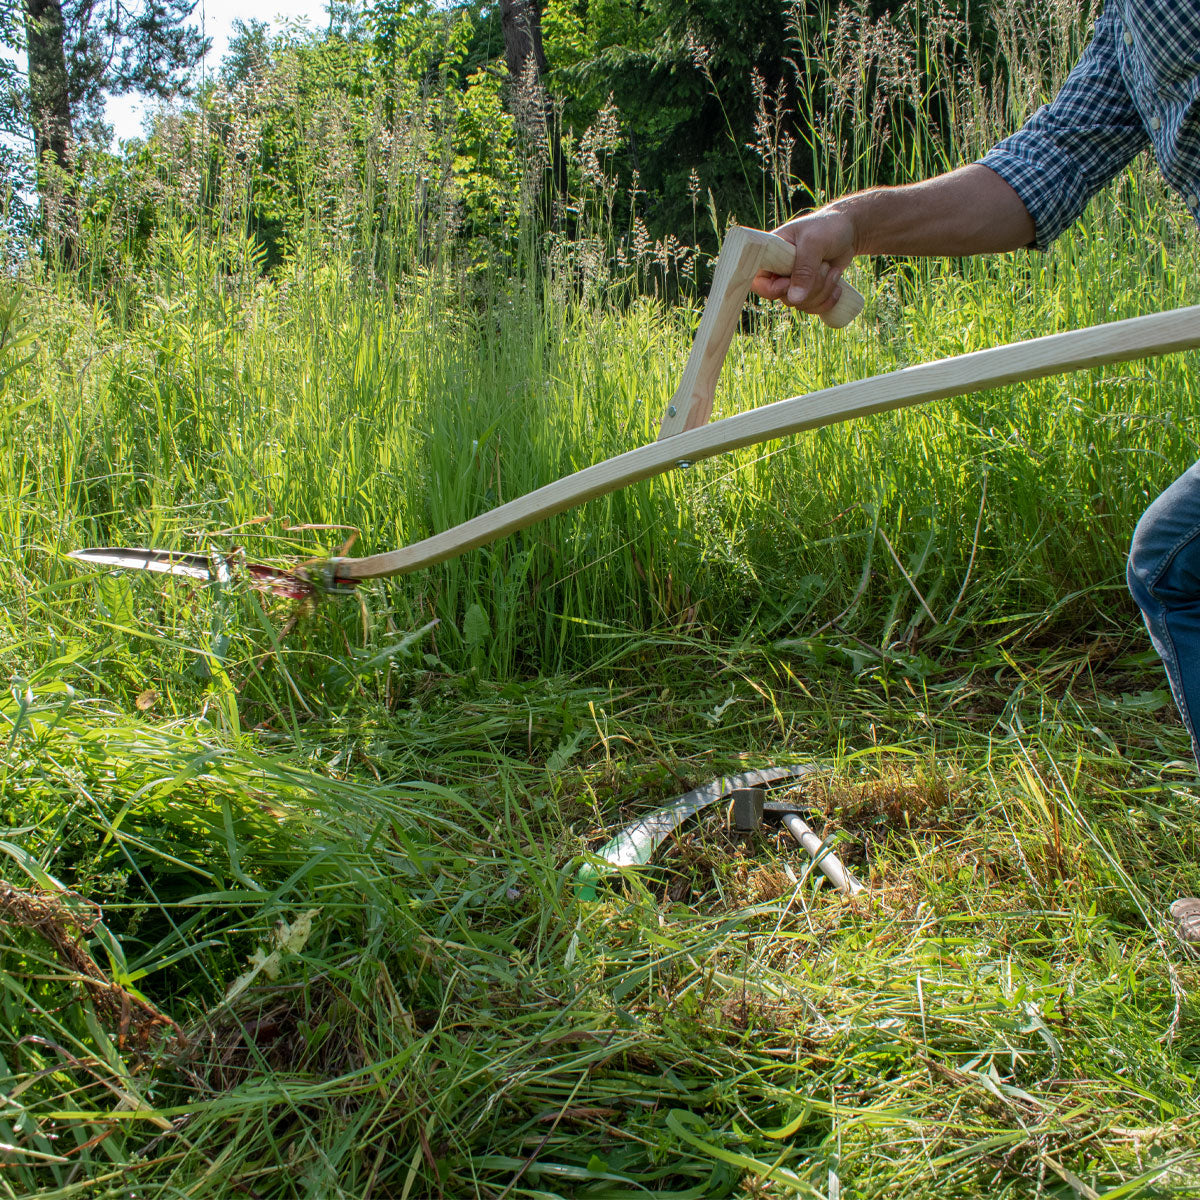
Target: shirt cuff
<point>1046,181</point>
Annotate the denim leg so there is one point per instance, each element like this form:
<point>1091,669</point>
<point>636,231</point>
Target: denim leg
<point>1164,577</point>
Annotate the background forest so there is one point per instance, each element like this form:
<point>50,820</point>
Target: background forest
<point>288,895</point>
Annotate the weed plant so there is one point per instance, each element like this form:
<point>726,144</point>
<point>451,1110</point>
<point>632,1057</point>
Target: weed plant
<point>288,906</point>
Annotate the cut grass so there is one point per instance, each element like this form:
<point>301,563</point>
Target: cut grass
<point>1004,1014</point>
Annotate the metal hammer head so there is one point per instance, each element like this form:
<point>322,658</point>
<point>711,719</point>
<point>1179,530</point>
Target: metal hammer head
<point>751,808</point>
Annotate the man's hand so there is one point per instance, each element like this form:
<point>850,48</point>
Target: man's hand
<point>824,242</point>
<point>968,211</point>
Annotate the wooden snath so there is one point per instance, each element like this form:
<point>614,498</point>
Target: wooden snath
<point>685,436</point>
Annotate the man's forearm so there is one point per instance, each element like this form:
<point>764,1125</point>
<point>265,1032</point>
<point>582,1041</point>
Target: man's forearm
<point>968,211</point>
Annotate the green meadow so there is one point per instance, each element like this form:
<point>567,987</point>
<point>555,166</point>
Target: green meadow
<point>288,901</point>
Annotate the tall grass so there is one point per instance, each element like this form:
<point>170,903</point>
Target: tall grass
<point>334,846</point>
<point>189,393</point>
<point>310,402</point>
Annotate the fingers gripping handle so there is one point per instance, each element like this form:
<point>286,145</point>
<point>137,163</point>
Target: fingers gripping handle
<point>744,254</point>
<point>779,256</point>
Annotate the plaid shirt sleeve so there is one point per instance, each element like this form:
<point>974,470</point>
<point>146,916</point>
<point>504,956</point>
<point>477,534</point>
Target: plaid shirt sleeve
<point>1070,148</point>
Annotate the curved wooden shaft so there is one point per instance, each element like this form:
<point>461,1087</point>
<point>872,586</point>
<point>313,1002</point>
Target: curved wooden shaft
<point>1118,341</point>
<point>744,253</point>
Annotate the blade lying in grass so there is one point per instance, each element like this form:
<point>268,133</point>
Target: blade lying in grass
<point>634,845</point>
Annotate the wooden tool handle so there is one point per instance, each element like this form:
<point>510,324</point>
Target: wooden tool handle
<point>744,254</point>
<point>779,256</point>
<point>1120,341</point>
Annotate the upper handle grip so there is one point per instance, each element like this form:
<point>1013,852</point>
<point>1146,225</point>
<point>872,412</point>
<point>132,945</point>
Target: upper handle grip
<point>744,254</point>
<point>779,256</point>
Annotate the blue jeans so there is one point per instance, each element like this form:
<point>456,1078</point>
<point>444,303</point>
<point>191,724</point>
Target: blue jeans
<point>1164,577</point>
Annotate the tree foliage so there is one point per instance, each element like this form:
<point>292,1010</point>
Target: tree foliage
<point>78,53</point>
<point>651,123</point>
<point>107,47</point>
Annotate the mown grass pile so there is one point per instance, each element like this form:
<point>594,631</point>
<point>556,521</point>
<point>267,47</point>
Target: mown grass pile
<point>287,904</point>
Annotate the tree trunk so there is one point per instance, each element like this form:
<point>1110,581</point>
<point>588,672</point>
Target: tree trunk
<point>50,114</point>
<point>521,24</point>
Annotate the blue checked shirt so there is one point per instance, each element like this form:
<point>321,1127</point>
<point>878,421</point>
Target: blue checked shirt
<point>1137,84</point>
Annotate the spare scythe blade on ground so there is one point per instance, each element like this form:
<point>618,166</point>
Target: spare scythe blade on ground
<point>635,845</point>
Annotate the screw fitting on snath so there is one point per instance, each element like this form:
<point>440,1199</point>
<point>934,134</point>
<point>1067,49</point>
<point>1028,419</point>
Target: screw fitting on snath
<point>325,578</point>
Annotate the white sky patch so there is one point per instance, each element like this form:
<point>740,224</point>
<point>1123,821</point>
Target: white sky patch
<point>215,18</point>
